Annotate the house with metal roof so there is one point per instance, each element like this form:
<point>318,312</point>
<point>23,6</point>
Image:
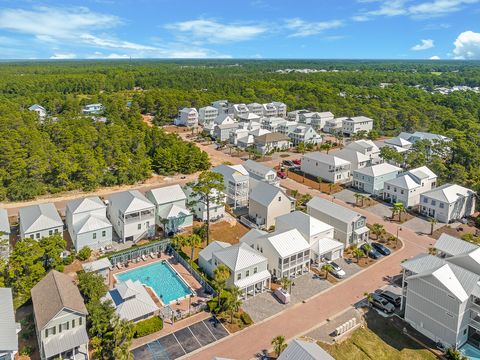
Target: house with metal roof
<point>248,267</point>
<point>236,184</point>
<point>261,172</point>
<point>319,119</point>
<point>39,109</point>
<point>441,294</point>
<point>5,232</point>
<point>304,350</point>
<point>447,203</point>
<point>205,256</point>
<point>91,109</point>
<point>255,108</point>
<point>349,226</point>
<point>199,208</point>
<point>60,318</point>
<point>406,188</point>
<point>132,215</point>
<point>187,117</point>
<point>266,202</point>
<point>371,179</point>
<point>399,142</point>
<point>304,134</point>
<point>172,214</point>
<point>207,114</point>
<point>272,142</point>
<point>87,223</point>
<point>333,125</point>
<point>367,148</point>
<point>101,266</point>
<point>329,167</point>
<point>132,301</point>
<point>353,125</point>
<point>288,252</point>
<point>9,329</point>
<point>356,159</point>
<point>39,221</point>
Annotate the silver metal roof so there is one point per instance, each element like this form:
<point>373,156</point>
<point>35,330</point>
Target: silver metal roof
<point>304,350</point>
<point>239,256</point>
<point>330,208</point>
<point>167,194</point>
<point>4,224</point>
<point>39,217</point>
<point>97,265</point>
<point>64,341</point>
<point>8,327</point>
<point>207,252</point>
<point>453,246</point>
<point>129,201</point>
<point>91,223</point>
<point>85,204</point>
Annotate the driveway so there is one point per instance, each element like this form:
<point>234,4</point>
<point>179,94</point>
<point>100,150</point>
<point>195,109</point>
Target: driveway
<point>421,226</point>
<point>380,210</point>
<point>346,195</point>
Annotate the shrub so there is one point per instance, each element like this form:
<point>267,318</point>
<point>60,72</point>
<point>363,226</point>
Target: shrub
<point>477,222</point>
<point>148,326</point>
<point>84,253</point>
<point>246,319</point>
<point>67,260</point>
<point>26,351</point>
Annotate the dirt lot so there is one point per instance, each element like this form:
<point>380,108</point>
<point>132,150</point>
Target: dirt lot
<point>324,187</point>
<point>458,231</point>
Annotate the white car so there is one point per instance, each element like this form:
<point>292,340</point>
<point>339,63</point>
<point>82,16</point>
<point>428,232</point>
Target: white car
<point>337,270</point>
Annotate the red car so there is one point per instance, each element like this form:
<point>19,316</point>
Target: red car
<point>297,162</point>
<point>281,175</point>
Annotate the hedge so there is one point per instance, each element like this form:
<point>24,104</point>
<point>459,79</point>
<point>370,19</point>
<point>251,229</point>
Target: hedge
<point>148,326</point>
<point>246,319</point>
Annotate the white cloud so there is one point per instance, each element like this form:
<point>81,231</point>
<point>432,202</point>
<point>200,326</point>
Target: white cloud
<point>424,45</point>
<point>467,46</point>
<point>438,7</point>
<point>302,28</point>
<point>434,57</point>
<point>112,43</point>
<point>59,56</point>
<point>214,32</point>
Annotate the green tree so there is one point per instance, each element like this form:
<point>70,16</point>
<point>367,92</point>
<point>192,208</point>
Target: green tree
<point>92,286</point>
<point>326,268</point>
<point>358,253</point>
<point>220,276</point>
<point>279,344</point>
<point>301,147</point>
<point>192,241</point>
<point>398,208</point>
<point>454,354</point>
<point>391,155</point>
<point>286,283</point>
<point>433,221</point>
<point>84,253</point>
<point>377,230</point>
<point>53,246</point>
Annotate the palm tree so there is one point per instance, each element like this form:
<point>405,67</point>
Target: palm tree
<point>164,223</point>
<point>357,197</point>
<point>367,248</point>
<point>294,193</point>
<point>327,268</point>
<point>220,276</point>
<point>193,241</point>
<point>369,297</point>
<point>286,283</point>
<point>398,208</point>
<point>234,302</point>
<point>432,251</point>
<point>178,241</point>
<point>358,253</point>
<point>433,221</point>
<point>279,344</point>
<point>377,230</point>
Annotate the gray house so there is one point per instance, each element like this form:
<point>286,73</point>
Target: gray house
<point>371,179</point>
<point>349,226</point>
<point>38,221</point>
<point>8,327</point>
<point>4,234</point>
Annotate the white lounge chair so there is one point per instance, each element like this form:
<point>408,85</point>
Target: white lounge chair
<point>144,258</point>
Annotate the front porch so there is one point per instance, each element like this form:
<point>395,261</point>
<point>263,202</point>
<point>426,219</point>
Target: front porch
<point>253,285</point>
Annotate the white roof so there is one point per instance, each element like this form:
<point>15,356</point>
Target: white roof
<point>338,211</point>
<point>208,107</point>
<point>252,234</point>
<point>39,217</point>
<point>86,204</point>
<point>168,194</point>
<point>252,279</point>
<point>233,172</point>
<point>129,201</point>
<point>398,141</point>
<point>239,256</point>
<point>97,265</point>
<point>423,172</point>
<point>361,145</point>
<point>264,193</point>
<point>8,327</point>
<point>306,224</point>
<point>288,242</point>
<point>304,350</point>
<point>326,158</point>
<point>413,178</point>
<point>453,246</point>
<point>91,223</point>
<point>325,245</point>
<point>257,168</point>
<point>357,119</point>
<point>378,170</point>
<point>4,224</point>
<point>173,211</point>
<point>207,252</point>
<point>249,116</point>
<point>352,155</point>
<point>448,193</point>
<point>36,107</point>
<point>259,132</point>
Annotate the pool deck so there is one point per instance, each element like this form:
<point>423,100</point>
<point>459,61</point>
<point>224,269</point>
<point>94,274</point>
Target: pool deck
<point>182,305</point>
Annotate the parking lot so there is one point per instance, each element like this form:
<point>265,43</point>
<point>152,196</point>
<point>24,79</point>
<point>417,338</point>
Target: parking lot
<point>182,342</point>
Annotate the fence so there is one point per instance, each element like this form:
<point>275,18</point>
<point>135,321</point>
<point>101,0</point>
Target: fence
<point>137,251</point>
<point>191,270</point>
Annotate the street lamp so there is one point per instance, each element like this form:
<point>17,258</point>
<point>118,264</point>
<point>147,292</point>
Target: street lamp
<point>399,228</point>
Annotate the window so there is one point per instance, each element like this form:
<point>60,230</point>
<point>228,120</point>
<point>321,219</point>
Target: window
<point>279,198</point>
<point>139,226</point>
<point>255,269</point>
<point>425,200</point>
<point>32,236</point>
<point>73,323</point>
<point>104,233</point>
<point>80,321</point>
<point>94,236</point>
<point>239,276</point>
<point>401,192</point>
<point>37,235</point>
<point>247,273</point>
<point>50,331</point>
<point>442,205</point>
<point>56,231</point>
<point>434,203</point>
<point>147,224</point>
<point>388,187</point>
<point>50,232</point>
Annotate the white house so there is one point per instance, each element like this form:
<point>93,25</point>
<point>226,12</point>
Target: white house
<point>132,215</point>
<point>419,135</point>
<point>87,223</point>
<point>266,202</point>
<point>287,127</point>
<point>304,350</point>
<point>349,226</point>
<point>101,267</point>
<point>248,268</point>
<point>8,327</point>
<point>319,119</point>
<point>207,114</point>
<point>187,117</point>
<point>199,208</point>
<point>261,172</point>
<point>60,318</point>
<point>4,234</point>
<point>356,124</point>
<point>272,142</point>
<point>281,109</point>
<point>222,132</point>
<point>38,221</point>
<point>240,110</point>
<point>367,148</point>
<point>248,117</point>
<point>205,256</point>
<point>92,109</point>
<point>273,123</point>
<point>132,302</point>
<point>326,166</point>
<point>407,187</point>
<point>371,179</point>
<point>288,252</point>
<point>255,108</point>
<point>40,110</point>
<point>399,142</point>
<point>270,109</point>
<point>295,114</point>
<point>172,214</point>
<point>356,159</point>
<point>334,125</point>
<point>448,203</point>
<point>305,134</point>
<point>236,182</point>
<point>222,106</point>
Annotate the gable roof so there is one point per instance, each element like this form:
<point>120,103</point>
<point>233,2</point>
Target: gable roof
<point>52,294</point>
<point>8,327</point>
<point>207,252</point>
<point>39,217</point>
<point>448,193</point>
<point>265,193</point>
<point>340,212</point>
<point>36,107</point>
<point>167,194</point>
<point>287,242</point>
<point>352,155</point>
<point>378,170</point>
<point>357,119</point>
<point>361,145</point>
<point>257,168</point>
<point>236,172</point>
<point>306,224</point>
<point>131,200</point>
<point>266,138</point>
<point>100,264</point>
<point>86,204</point>
<point>4,224</point>
<point>326,158</point>
<point>398,141</point>
<point>453,246</point>
<point>304,350</point>
<point>91,223</point>
<point>239,256</point>
<point>252,235</point>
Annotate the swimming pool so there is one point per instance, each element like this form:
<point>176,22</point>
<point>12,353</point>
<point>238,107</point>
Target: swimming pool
<point>162,278</point>
<point>470,351</point>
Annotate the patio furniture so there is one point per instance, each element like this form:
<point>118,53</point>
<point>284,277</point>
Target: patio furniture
<point>119,266</point>
<point>144,258</point>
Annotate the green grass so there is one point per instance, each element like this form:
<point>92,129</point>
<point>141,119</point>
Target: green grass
<point>365,344</point>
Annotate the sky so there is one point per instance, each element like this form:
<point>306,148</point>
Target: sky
<point>249,29</point>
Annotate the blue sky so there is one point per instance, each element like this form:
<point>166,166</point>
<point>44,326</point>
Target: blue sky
<point>373,29</point>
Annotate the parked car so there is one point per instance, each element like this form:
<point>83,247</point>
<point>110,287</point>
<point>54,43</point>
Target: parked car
<point>297,162</point>
<point>391,297</point>
<point>288,163</point>
<point>373,254</point>
<point>337,270</point>
<point>281,175</point>
<point>382,304</point>
<point>381,248</point>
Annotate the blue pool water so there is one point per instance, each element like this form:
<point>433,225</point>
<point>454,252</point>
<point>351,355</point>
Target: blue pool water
<point>470,351</point>
<point>166,283</point>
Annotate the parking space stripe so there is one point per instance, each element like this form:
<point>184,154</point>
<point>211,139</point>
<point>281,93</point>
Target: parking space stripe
<point>179,343</point>
<point>210,331</point>
<point>191,332</point>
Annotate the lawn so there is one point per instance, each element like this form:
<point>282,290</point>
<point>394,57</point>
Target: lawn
<point>384,342</point>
